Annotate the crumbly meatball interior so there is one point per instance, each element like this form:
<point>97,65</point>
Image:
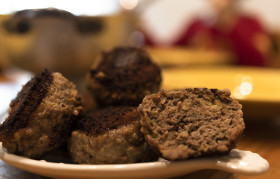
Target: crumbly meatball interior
<point>110,136</point>
<point>189,123</point>
<point>123,76</point>
<point>41,116</point>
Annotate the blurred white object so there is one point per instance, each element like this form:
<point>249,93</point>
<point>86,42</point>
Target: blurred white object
<point>165,20</point>
<point>81,7</point>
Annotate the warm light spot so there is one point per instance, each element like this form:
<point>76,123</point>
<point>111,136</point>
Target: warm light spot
<point>246,88</point>
<point>244,164</point>
<point>129,4</point>
<point>237,94</point>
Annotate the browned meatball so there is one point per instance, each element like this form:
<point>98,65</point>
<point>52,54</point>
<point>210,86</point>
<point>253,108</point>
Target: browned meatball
<point>109,136</point>
<point>123,76</point>
<point>192,122</point>
<point>41,116</point>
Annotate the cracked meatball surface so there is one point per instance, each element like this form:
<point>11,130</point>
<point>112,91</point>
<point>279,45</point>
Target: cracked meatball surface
<point>192,122</point>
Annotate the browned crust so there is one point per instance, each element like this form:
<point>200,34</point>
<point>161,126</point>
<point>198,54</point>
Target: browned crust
<point>99,122</point>
<point>26,102</point>
<point>123,77</point>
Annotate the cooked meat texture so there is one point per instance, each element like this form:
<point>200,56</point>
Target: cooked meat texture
<point>110,136</point>
<point>188,123</point>
<point>41,116</point>
<point>88,102</point>
<point>123,76</point>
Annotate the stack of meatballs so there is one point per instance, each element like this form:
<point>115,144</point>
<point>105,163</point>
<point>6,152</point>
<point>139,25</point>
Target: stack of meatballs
<point>102,128</point>
<point>110,130</point>
<point>123,117</point>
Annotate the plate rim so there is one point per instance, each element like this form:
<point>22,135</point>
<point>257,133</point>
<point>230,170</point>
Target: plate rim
<point>166,168</point>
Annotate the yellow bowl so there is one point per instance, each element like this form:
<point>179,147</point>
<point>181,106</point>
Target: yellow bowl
<point>258,89</point>
<point>178,56</point>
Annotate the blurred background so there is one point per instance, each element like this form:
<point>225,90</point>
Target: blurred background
<point>232,44</point>
<point>228,30</point>
<point>204,43</point>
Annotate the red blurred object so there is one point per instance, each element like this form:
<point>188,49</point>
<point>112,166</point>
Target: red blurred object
<point>239,37</point>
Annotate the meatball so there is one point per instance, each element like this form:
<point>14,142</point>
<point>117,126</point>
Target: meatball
<point>41,116</point>
<point>193,122</point>
<point>109,136</point>
<point>123,76</point>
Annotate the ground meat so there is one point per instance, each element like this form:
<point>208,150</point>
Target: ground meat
<point>41,116</point>
<point>187,123</point>
<point>123,76</point>
<point>111,135</point>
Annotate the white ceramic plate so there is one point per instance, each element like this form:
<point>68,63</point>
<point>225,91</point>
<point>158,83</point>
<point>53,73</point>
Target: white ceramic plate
<point>237,161</point>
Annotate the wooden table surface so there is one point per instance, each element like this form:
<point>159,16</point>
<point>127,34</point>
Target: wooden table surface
<point>261,136</point>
